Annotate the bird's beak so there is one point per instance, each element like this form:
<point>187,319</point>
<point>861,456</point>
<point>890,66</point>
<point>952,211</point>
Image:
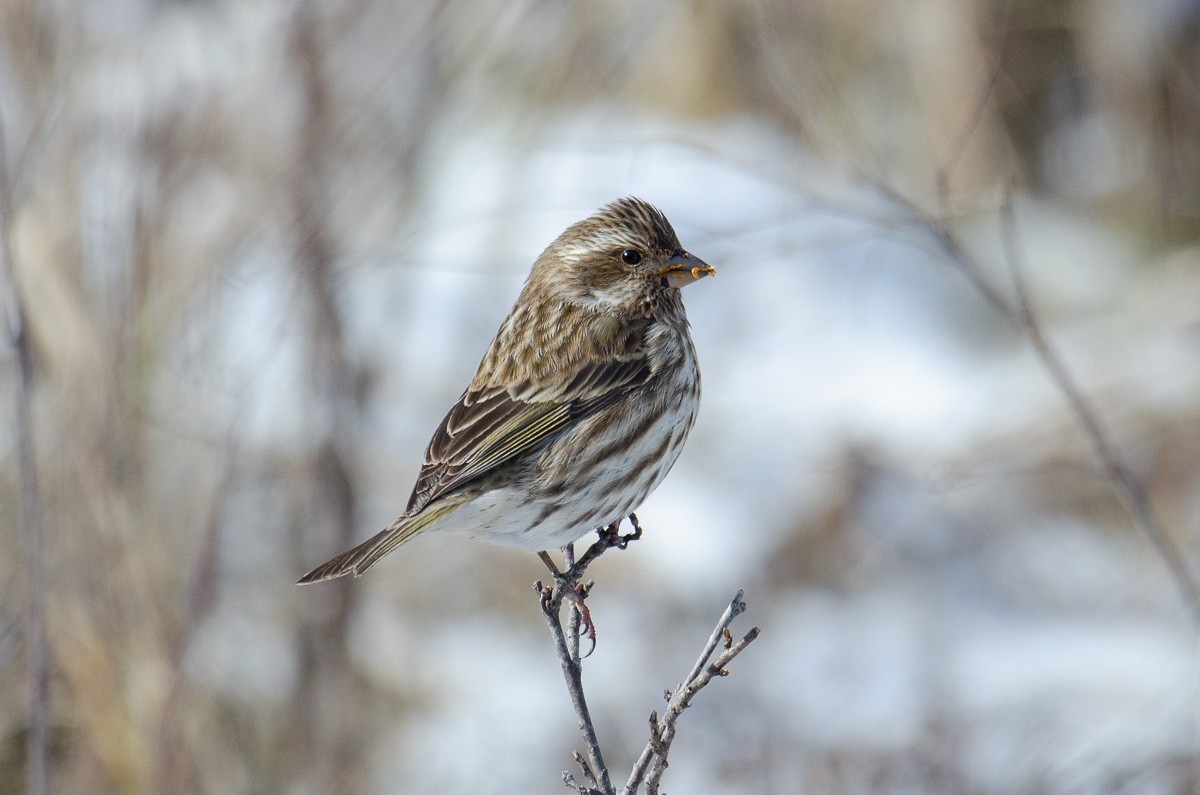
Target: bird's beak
<point>682,268</point>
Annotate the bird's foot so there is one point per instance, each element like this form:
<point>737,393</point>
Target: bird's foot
<point>567,587</point>
<point>611,535</point>
<point>586,627</point>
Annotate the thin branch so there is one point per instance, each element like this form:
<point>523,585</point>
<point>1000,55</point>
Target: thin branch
<point>31,530</point>
<point>1119,474</point>
<point>737,606</point>
<point>652,763</point>
<point>166,765</point>
<point>576,615</point>
<point>595,772</point>
<point>682,700</point>
<point>1021,315</point>
<point>986,94</point>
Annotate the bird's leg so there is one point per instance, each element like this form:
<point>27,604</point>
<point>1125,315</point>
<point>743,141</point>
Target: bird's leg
<point>581,617</point>
<point>549,561</point>
<point>566,582</point>
<point>567,586</point>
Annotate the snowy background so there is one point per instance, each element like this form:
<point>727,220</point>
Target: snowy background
<point>263,246</point>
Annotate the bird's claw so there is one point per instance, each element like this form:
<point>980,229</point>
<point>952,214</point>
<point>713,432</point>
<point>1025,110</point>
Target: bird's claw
<point>587,627</point>
<point>637,531</point>
<point>546,595</point>
<point>611,535</point>
<point>566,584</point>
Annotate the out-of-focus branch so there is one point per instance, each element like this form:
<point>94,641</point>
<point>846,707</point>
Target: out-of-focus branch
<point>985,99</point>
<point>1123,480</point>
<point>1019,312</point>
<point>31,531</point>
<point>652,762</point>
<point>166,765</point>
<point>335,405</point>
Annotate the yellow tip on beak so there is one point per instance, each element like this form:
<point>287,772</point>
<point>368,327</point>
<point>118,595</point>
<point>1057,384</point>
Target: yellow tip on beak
<point>683,269</point>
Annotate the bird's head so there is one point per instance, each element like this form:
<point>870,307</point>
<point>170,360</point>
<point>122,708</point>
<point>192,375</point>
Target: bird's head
<point>625,259</point>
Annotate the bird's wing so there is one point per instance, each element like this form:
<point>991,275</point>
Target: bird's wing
<point>487,427</point>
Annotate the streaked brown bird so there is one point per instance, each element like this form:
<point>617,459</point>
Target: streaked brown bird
<point>581,404</point>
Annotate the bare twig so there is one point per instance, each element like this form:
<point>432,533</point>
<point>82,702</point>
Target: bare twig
<point>335,402</point>
<point>1021,315</point>
<point>566,642</point>
<point>165,767</point>
<point>576,615</point>
<point>37,753</point>
<point>652,763</point>
<point>736,607</point>
<point>594,770</point>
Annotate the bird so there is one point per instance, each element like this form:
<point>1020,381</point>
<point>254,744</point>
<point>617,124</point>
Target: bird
<point>581,404</point>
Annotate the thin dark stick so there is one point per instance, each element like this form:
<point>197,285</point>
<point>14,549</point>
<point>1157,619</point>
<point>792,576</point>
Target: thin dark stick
<point>164,767</point>
<point>595,771</point>
<point>1126,485</point>
<point>1023,318</point>
<point>652,763</point>
<point>32,544</point>
<point>986,94</point>
<point>573,674</point>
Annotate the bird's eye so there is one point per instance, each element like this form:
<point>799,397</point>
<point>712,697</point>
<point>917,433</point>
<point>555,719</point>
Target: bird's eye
<point>631,256</point>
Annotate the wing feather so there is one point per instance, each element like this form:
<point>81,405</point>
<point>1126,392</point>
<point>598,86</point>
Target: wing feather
<point>488,427</point>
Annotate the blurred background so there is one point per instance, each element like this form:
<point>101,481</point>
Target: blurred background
<point>262,247</point>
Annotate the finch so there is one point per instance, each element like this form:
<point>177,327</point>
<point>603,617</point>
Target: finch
<point>581,404</point>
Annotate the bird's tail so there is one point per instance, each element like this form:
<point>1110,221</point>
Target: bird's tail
<point>368,553</point>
